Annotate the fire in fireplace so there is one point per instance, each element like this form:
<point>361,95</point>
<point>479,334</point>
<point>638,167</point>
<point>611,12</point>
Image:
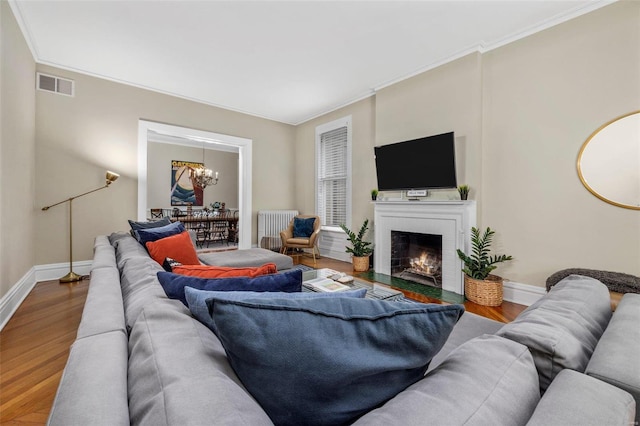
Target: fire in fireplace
<point>417,257</point>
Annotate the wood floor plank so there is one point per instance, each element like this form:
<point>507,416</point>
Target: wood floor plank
<point>34,348</point>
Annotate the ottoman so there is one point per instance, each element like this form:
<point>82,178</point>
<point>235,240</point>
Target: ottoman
<point>247,258</point>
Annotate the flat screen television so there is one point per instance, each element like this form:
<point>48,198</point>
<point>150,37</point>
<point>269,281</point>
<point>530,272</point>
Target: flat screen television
<point>425,163</point>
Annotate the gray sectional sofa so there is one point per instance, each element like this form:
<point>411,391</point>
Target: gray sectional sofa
<point>141,358</point>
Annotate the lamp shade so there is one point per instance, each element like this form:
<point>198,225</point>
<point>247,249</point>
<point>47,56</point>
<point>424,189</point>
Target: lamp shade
<point>111,176</point>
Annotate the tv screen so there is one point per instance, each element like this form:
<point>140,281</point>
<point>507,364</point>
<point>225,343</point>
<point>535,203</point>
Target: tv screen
<point>425,163</point>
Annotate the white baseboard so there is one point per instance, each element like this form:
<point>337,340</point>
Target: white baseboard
<point>11,301</point>
<point>54,271</point>
<point>523,294</point>
<point>14,297</point>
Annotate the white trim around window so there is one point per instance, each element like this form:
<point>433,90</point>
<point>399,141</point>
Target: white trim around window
<point>325,129</point>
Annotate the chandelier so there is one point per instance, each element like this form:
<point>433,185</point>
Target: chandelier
<point>201,176</point>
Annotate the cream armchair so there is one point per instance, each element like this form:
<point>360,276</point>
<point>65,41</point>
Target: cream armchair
<point>294,240</point>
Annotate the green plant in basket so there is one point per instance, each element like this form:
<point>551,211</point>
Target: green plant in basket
<point>480,264</point>
<point>359,247</point>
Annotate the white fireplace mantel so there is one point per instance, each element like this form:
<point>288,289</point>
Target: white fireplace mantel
<point>451,219</point>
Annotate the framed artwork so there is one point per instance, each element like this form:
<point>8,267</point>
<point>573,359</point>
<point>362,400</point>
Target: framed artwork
<point>183,190</point>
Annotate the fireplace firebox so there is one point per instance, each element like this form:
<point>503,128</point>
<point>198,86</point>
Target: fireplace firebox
<point>417,257</point>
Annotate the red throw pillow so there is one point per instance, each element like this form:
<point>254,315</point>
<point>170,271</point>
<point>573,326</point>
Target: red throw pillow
<point>206,271</point>
<point>178,247</point>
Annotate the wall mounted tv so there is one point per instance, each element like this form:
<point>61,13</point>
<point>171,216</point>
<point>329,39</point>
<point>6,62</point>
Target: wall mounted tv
<point>425,163</point>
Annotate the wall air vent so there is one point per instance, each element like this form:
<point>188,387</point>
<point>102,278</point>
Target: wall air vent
<point>50,83</point>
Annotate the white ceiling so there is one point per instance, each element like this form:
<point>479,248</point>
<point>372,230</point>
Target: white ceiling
<point>286,61</point>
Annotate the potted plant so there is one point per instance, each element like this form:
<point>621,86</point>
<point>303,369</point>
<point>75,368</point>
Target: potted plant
<point>463,190</point>
<point>360,249</point>
<point>374,194</point>
<point>479,285</point>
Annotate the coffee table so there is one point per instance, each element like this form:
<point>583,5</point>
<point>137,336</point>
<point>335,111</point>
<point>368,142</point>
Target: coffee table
<point>374,291</point>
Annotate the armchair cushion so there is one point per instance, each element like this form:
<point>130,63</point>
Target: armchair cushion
<point>303,227</point>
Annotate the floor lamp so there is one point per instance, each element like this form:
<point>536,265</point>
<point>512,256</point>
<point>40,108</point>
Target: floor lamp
<point>72,276</point>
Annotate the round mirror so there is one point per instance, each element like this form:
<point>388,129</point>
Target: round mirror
<point>609,162</point>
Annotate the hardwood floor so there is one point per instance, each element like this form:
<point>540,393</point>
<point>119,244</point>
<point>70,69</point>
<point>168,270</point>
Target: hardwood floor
<point>34,345</point>
<point>505,313</point>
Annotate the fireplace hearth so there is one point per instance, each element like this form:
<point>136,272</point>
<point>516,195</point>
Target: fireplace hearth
<point>417,257</point>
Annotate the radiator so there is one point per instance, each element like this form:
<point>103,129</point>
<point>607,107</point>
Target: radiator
<point>270,223</point>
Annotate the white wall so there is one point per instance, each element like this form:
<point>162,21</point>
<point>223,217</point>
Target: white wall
<point>520,113</point>
<point>78,138</point>
<point>17,153</point>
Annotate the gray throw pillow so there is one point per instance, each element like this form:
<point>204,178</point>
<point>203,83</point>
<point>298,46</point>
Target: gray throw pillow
<point>562,328</point>
<point>327,361</point>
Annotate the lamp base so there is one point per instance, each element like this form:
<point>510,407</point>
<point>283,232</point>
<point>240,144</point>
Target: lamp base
<point>71,277</point>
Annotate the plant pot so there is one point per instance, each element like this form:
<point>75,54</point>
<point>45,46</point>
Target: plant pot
<point>486,292</point>
<point>360,264</point>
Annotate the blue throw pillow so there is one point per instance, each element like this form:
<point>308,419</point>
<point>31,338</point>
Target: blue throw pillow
<point>154,234</point>
<point>136,226</point>
<point>197,299</point>
<point>174,284</point>
<point>303,228</point>
<point>329,361</point>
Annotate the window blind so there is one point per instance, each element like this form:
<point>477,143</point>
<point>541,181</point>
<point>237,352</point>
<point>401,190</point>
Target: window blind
<point>332,177</point>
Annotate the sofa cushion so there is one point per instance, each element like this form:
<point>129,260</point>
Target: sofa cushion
<point>126,248</point>
<point>468,327</point>
<point>153,234</point>
<point>178,247</point>
<point>563,327</point>
<point>173,284</point>
<point>329,360</point>
<point>303,227</point>
<point>616,359</point>
<point>139,286</point>
<point>197,299</point>
<point>179,374</point>
<point>136,226</point>
<point>576,399</point>
<point>206,271</point>
<point>488,380</point>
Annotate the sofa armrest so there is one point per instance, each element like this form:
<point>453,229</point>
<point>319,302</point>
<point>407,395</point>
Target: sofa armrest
<point>576,399</point>
<point>93,388</point>
<point>615,359</point>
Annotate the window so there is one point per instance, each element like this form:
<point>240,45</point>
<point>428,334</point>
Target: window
<point>333,172</point>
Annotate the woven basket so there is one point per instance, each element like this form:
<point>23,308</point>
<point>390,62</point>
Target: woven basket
<point>484,292</point>
<point>360,264</point>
